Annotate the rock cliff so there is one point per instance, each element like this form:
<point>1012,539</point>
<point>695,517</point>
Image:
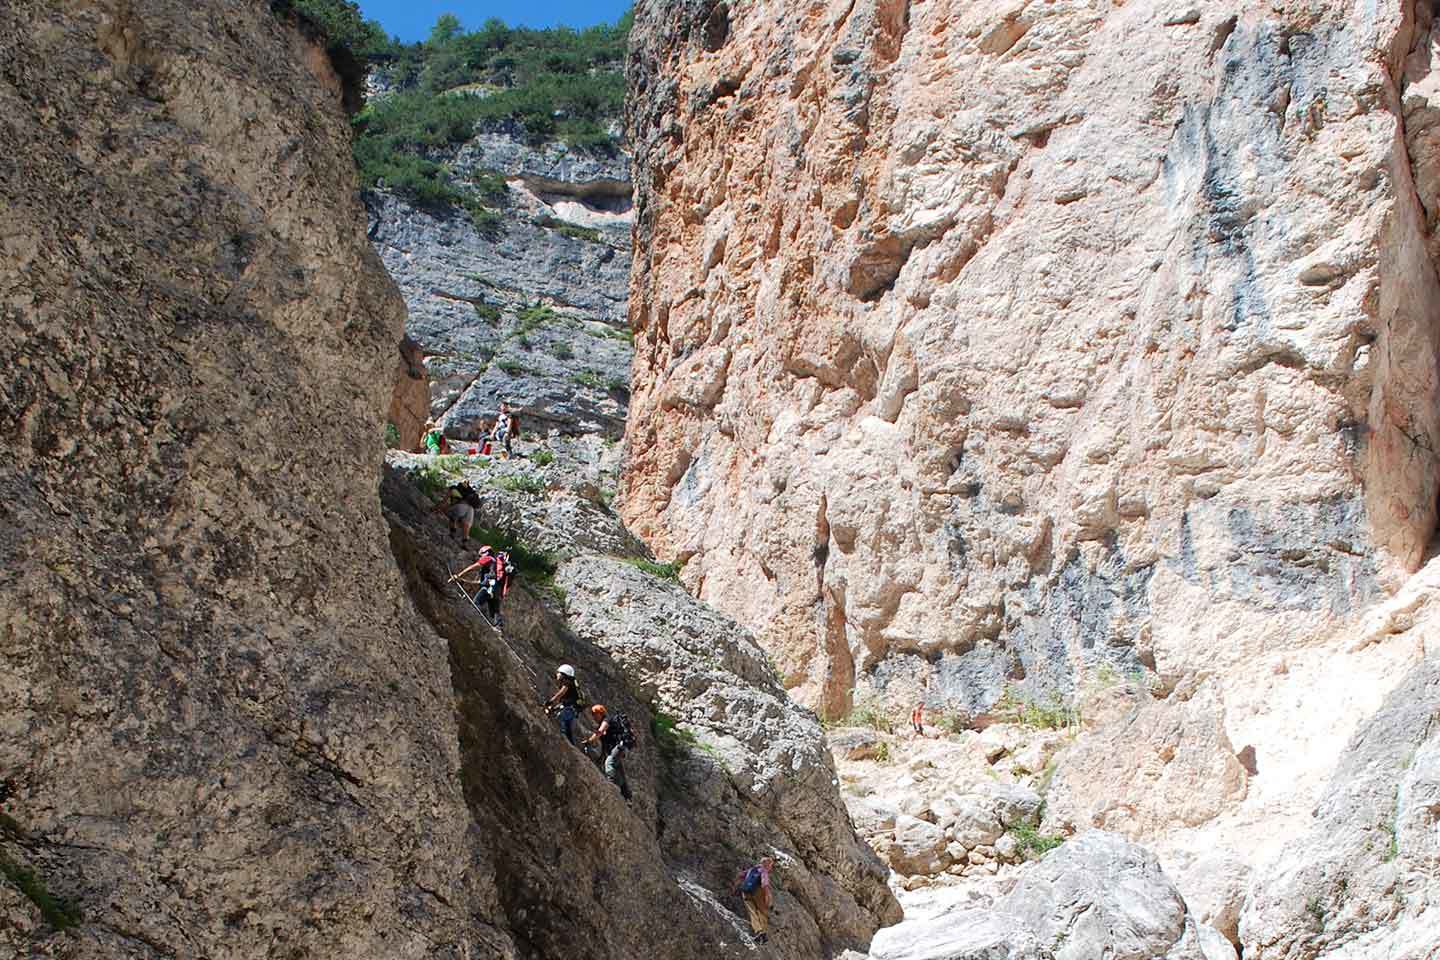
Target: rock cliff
<point>528,307</point>
<point>243,716</point>
<point>226,731</point>
<point>983,344</point>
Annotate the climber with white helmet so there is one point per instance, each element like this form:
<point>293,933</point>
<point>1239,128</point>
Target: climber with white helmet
<point>565,703</point>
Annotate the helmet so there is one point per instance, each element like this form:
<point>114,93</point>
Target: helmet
<point>598,710</point>
<point>486,549</point>
<point>568,670</point>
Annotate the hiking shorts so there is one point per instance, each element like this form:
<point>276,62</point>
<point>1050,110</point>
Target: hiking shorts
<point>461,512</point>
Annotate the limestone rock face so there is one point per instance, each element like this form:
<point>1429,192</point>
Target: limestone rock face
<point>530,309</point>
<point>226,733</point>
<point>978,339</point>
<point>1096,896</point>
<point>726,768</point>
<point>1361,881</point>
<point>1169,765</point>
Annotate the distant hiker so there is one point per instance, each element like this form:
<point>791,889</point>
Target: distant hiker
<point>917,719</point>
<point>505,428</point>
<point>565,702</point>
<point>615,737</point>
<point>433,439</point>
<point>460,507</point>
<point>753,885</point>
<point>496,572</point>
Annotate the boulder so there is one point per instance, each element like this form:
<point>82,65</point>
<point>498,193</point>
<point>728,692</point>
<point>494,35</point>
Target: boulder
<point>856,743</point>
<point>917,847</point>
<point>1100,895</point>
<point>1170,764</point>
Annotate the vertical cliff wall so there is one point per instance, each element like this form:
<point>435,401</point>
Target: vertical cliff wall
<point>978,342</point>
<point>225,733</point>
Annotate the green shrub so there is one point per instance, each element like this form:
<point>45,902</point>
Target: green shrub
<point>513,367</point>
<point>588,234</point>
<point>59,913</point>
<point>612,333</point>
<point>490,186</point>
<point>665,571</point>
<point>1032,842</point>
<point>882,752</point>
<point>557,84</point>
<point>530,319</point>
<point>562,350</point>
<point>342,24</point>
<point>617,385</point>
<point>487,222</point>
<point>869,712</point>
<point>392,435</point>
<point>487,312</point>
<point>536,565</point>
<point>1052,715</point>
<point>589,378</point>
<point>542,458</point>
<point>521,483</point>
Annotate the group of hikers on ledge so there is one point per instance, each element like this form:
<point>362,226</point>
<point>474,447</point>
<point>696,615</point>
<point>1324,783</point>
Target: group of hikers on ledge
<point>493,438</point>
<point>491,574</point>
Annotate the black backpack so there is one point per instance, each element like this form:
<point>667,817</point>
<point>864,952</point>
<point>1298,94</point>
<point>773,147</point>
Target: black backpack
<point>467,494</point>
<point>623,730</point>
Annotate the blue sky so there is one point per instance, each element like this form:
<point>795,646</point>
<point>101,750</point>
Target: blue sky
<point>412,19</point>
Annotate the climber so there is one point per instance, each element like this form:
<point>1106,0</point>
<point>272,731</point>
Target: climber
<point>433,440</point>
<point>917,719</point>
<point>615,737</point>
<point>460,507</point>
<point>753,885</point>
<point>565,703</point>
<point>496,572</point>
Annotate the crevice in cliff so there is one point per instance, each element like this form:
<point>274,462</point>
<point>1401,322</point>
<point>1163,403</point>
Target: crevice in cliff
<point>1402,475</point>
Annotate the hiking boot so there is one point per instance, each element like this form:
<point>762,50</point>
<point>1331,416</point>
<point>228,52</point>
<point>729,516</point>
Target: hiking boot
<point>762,938</point>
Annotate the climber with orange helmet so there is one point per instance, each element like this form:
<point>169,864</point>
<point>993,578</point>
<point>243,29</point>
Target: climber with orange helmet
<point>496,572</point>
<point>615,736</point>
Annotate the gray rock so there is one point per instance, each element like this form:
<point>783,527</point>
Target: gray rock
<point>1360,882</point>
<point>1100,895</point>
<point>966,934</point>
<point>565,368</point>
<point>917,848</point>
<point>855,743</point>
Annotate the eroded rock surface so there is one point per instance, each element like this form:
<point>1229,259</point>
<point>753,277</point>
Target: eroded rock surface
<point>1361,882</point>
<point>965,355</point>
<point>727,768</point>
<point>227,733</point>
<point>531,308</point>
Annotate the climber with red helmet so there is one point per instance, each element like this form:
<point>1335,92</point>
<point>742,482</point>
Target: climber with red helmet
<point>615,736</point>
<point>496,572</point>
<point>565,703</point>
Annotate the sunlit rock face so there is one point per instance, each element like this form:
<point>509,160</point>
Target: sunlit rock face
<point>984,344</point>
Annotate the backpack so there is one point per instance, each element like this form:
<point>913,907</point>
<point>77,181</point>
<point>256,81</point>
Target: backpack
<point>623,730</point>
<point>753,878</point>
<point>504,565</point>
<point>467,494</point>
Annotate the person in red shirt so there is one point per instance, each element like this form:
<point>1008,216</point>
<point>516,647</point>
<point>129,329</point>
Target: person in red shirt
<point>494,580</point>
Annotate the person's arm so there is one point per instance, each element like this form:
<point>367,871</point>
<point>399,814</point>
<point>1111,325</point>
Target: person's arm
<point>556,698</point>
<point>465,571</point>
<point>599,731</point>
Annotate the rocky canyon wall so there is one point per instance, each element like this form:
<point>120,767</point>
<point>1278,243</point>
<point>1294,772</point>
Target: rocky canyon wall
<point>225,732</point>
<point>982,344</point>
<point>241,715</point>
